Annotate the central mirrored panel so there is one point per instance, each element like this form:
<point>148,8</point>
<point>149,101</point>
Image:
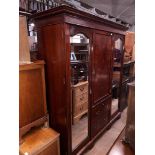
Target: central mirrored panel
<point>79,85</point>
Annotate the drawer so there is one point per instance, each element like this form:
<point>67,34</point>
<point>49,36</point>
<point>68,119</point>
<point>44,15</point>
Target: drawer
<point>80,99</point>
<point>100,116</point>
<point>85,106</point>
<point>79,109</point>
<point>80,88</point>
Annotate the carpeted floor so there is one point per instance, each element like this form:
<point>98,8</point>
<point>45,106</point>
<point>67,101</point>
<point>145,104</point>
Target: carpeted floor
<point>105,142</point>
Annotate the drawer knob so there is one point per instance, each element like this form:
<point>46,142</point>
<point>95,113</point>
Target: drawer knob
<point>81,108</point>
<point>98,112</point>
<point>81,98</point>
<point>82,88</point>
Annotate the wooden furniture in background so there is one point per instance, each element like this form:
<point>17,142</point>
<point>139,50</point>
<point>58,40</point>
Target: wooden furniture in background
<point>130,123</point>
<point>123,95</point>
<point>133,53</point>
<point>79,71</point>
<point>122,77</point>
<point>24,52</point>
<point>129,46</point>
<point>32,96</point>
<point>40,141</point>
<point>80,100</point>
<point>116,76</point>
<point>128,75</point>
<point>54,28</point>
<point>128,72</point>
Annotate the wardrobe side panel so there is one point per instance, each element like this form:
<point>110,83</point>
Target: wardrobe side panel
<point>51,40</point>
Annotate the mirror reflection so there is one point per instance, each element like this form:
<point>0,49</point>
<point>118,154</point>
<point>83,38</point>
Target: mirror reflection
<point>79,86</point>
<point>117,56</point>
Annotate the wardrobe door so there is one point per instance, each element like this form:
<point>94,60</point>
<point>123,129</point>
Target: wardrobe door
<point>80,68</point>
<point>102,68</point>
<point>101,81</point>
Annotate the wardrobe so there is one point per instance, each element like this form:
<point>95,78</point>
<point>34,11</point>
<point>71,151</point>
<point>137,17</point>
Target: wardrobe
<point>78,50</point>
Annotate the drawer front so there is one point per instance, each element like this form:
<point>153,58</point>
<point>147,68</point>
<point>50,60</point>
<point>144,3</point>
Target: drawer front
<point>80,90</point>
<point>80,109</point>
<point>100,116</point>
<point>77,100</point>
<point>85,106</point>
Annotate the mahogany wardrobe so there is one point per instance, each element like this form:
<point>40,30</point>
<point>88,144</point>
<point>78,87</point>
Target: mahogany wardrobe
<point>79,51</point>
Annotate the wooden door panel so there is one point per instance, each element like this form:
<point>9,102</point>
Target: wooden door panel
<point>100,116</point>
<point>102,66</point>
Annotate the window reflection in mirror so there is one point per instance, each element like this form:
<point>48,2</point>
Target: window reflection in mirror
<point>79,86</point>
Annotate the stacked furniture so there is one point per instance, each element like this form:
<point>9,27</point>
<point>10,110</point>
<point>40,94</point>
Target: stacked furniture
<point>36,138</point>
<point>57,30</point>
<point>32,96</point>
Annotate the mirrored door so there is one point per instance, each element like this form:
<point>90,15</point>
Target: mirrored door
<point>79,59</point>
<point>117,64</point>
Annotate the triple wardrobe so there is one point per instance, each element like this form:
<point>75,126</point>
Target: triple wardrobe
<point>80,51</point>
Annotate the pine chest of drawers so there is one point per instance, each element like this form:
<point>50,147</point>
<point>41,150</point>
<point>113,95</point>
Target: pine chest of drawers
<point>80,100</point>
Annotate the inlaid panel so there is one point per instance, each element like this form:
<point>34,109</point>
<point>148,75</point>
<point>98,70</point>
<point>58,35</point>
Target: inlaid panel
<point>100,116</point>
<point>102,66</point>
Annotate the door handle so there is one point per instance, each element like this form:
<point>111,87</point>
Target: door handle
<point>82,88</point>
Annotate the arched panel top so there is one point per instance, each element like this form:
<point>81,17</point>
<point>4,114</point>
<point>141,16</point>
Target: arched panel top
<point>118,44</point>
<point>79,38</point>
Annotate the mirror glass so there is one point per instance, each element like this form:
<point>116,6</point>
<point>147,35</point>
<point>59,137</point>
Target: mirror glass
<point>117,56</point>
<point>79,88</point>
